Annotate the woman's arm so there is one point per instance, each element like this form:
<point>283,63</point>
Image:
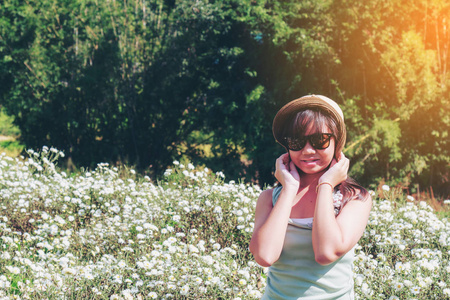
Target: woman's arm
<point>271,221</point>
<point>333,236</point>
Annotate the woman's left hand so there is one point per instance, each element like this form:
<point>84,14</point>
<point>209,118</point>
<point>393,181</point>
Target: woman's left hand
<point>337,172</point>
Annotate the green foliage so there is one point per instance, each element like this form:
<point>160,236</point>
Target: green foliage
<point>400,67</point>
<point>145,82</point>
<point>128,80</point>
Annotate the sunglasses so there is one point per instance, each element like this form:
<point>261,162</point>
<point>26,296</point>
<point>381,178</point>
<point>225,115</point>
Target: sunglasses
<point>318,141</point>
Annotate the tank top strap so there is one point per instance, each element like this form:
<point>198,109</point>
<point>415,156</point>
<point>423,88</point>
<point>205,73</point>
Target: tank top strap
<point>275,194</point>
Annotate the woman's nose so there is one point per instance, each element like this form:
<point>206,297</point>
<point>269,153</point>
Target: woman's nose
<point>308,148</point>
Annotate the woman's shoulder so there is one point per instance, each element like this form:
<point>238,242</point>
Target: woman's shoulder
<point>267,193</point>
<point>270,195</point>
<point>359,201</point>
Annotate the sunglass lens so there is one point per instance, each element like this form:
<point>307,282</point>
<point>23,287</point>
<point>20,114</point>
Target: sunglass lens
<point>295,144</point>
<point>320,141</point>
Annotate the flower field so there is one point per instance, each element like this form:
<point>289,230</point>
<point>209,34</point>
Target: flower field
<point>110,233</point>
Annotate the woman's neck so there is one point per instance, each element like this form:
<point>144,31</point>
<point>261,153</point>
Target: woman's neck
<point>307,180</point>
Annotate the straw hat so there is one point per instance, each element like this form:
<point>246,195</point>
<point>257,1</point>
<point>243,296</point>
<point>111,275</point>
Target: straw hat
<point>325,104</point>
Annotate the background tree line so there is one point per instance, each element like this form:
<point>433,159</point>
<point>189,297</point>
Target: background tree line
<point>149,81</point>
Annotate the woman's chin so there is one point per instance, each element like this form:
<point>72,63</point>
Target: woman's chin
<point>311,168</point>
<point>311,171</point>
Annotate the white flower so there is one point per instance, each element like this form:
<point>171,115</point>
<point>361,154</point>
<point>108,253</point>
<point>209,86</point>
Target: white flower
<point>385,187</point>
<point>398,286</point>
<point>215,280</point>
<point>359,279</point>
<point>152,295</point>
<point>415,290</point>
<point>255,294</point>
<point>198,280</point>
<point>408,283</point>
<point>365,289</point>
<point>14,270</point>
<point>69,271</point>
<point>193,249</point>
<point>121,264</point>
<point>5,255</point>
<point>127,295</point>
<point>171,286</point>
<point>184,290</point>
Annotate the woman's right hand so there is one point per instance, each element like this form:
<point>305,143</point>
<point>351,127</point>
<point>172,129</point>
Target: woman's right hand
<point>337,172</point>
<point>286,172</point>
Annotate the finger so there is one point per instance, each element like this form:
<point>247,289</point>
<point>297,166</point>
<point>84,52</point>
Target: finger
<point>345,160</point>
<point>280,158</point>
<point>281,163</point>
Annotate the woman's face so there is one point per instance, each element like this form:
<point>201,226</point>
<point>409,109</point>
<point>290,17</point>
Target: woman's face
<point>311,160</point>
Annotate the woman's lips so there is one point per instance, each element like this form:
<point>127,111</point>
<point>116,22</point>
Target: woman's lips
<point>310,163</point>
<point>309,160</point>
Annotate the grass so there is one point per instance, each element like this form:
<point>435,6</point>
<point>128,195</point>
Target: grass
<point>7,127</point>
<point>11,148</point>
<point>9,134</point>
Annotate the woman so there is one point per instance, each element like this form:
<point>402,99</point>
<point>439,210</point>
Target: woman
<point>305,229</point>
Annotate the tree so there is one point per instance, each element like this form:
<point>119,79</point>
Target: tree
<point>146,82</point>
<point>395,62</point>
